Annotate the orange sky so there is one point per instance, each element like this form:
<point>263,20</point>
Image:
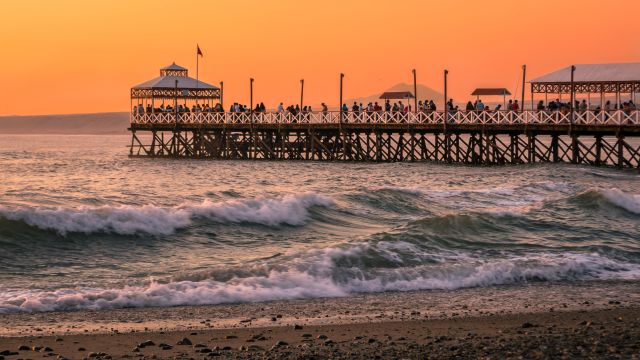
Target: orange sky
<point>76,56</point>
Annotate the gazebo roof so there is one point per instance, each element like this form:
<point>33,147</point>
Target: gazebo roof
<point>397,95</point>
<point>594,73</point>
<point>169,82</point>
<point>173,66</point>
<point>490,92</point>
<point>168,77</point>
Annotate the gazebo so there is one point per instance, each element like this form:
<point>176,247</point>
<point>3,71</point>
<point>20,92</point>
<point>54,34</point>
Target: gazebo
<point>397,95</point>
<point>602,79</point>
<point>172,86</point>
<point>492,92</point>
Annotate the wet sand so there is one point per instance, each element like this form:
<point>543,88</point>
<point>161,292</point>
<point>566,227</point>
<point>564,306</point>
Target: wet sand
<point>590,319</point>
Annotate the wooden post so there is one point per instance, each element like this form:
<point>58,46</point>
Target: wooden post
<point>252,140</point>
<point>131,118</point>
<point>251,97</point>
<point>175,101</point>
<point>446,109</point>
<point>512,147</point>
<point>598,150</point>
<point>602,98</point>
<point>620,151</point>
<point>344,144</point>
<point>546,98</point>
<point>575,149</point>
<point>524,79</point>
<point>222,95</point>
<point>531,148</point>
<point>487,148</point>
<point>340,104</point>
<point>446,117</point>
<point>415,91</point>
<point>533,105</point>
<point>573,70</point>
<point>301,93</point>
<point>133,136</point>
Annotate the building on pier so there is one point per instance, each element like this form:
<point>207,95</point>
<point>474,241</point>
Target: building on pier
<point>172,89</point>
<point>397,95</point>
<point>492,92</point>
<point>588,79</point>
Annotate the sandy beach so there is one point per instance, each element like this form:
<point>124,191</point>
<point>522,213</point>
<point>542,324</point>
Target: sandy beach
<point>586,320</point>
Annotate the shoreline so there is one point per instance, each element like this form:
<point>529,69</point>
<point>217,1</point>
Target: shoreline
<point>608,332</point>
<point>357,308</point>
<point>455,323</point>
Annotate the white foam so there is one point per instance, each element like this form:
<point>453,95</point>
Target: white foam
<point>125,220</point>
<point>501,200</point>
<point>332,272</point>
<point>629,202</point>
<point>461,192</point>
<point>403,189</point>
<point>290,209</point>
<point>155,220</point>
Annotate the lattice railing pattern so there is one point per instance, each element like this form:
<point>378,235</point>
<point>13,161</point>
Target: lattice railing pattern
<point>618,117</point>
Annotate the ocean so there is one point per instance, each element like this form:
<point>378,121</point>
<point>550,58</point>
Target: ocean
<point>83,226</point>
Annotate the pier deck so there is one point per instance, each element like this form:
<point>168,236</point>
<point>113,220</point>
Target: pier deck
<point>503,137</point>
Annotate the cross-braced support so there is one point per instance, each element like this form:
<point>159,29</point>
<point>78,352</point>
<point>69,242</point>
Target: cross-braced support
<point>466,145</point>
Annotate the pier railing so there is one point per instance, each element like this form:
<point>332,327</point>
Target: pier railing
<point>617,117</point>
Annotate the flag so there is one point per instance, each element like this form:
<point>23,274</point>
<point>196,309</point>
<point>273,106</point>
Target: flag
<point>199,51</point>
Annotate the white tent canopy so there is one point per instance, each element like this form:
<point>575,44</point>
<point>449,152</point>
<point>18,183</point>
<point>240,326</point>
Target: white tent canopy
<point>594,73</point>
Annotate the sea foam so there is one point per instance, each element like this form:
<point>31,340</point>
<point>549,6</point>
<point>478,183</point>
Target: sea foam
<point>330,272</point>
<point>629,202</point>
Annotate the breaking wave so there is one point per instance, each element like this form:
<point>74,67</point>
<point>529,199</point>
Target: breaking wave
<point>629,202</point>
<point>154,220</point>
<point>331,272</point>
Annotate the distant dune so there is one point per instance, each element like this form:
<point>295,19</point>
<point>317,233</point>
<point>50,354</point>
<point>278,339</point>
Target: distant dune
<point>97,124</point>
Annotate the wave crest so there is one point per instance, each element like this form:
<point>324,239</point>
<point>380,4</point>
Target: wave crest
<point>154,220</point>
<point>629,202</point>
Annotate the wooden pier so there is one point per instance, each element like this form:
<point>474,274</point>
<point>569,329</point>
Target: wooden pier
<point>503,137</point>
<point>174,115</point>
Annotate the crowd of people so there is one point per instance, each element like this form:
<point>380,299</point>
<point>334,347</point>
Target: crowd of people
<point>583,106</point>
<point>396,108</point>
<point>479,106</point>
<point>141,109</point>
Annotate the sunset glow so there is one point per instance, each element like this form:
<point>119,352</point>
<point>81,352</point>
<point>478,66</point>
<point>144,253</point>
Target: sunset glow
<point>83,56</point>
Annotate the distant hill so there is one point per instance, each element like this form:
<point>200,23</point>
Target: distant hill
<point>97,124</point>
<point>424,92</point>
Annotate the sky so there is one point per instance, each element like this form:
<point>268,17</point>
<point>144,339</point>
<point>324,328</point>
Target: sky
<point>78,56</point>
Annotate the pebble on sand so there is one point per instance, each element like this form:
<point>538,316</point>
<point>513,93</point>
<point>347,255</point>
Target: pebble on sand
<point>185,341</point>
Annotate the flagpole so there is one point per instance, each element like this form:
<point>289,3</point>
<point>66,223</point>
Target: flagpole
<point>197,72</point>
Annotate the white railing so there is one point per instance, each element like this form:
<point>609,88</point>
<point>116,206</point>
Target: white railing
<point>618,117</point>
